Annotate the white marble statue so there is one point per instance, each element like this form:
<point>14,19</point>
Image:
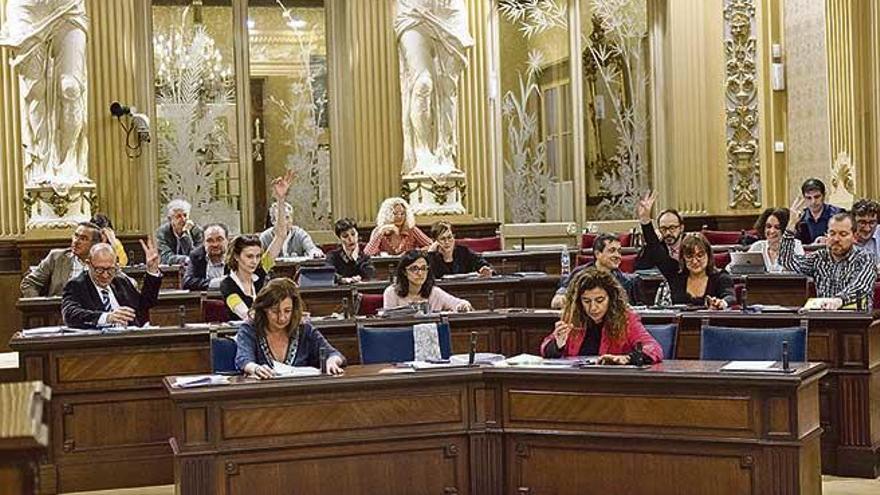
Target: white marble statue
<point>48,40</point>
<point>433,38</point>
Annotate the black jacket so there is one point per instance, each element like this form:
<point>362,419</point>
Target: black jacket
<point>169,251</point>
<point>81,305</point>
<point>196,275</point>
<point>347,267</point>
<point>464,260</point>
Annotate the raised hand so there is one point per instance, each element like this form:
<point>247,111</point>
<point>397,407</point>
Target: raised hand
<point>794,211</point>
<point>644,207</point>
<point>280,186</point>
<point>151,254</point>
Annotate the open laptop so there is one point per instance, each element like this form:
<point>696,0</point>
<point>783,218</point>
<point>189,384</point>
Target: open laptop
<point>744,263</point>
<point>317,276</point>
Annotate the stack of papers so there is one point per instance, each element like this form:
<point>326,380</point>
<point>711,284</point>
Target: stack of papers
<point>748,366</point>
<point>57,331</point>
<point>479,358</point>
<point>285,371</point>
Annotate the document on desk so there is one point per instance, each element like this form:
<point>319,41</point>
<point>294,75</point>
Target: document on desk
<point>57,332</point>
<point>748,366</point>
<point>199,381</point>
<point>286,371</point>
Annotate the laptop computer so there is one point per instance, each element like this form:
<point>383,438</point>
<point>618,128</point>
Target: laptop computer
<point>317,276</point>
<point>742,263</point>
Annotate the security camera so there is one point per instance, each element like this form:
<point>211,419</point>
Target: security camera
<point>141,124</point>
<point>118,110</point>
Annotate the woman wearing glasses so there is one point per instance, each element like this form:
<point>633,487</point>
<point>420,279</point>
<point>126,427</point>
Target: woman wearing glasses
<point>693,279</point>
<point>448,258</point>
<point>414,283</point>
<point>597,321</point>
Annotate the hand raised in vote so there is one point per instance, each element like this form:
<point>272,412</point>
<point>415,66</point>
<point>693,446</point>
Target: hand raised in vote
<point>794,211</point>
<point>122,315</point>
<point>334,365</point>
<point>561,331</point>
<point>644,207</point>
<point>613,359</point>
<point>151,255</point>
<point>281,185</point>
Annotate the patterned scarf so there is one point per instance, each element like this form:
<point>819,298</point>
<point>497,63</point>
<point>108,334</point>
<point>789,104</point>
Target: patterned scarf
<point>291,349</point>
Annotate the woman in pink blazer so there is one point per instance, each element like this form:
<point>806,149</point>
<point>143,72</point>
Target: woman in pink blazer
<point>597,321</point>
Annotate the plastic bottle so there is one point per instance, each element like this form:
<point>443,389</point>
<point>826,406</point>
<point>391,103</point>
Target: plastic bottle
<point>564,263</point>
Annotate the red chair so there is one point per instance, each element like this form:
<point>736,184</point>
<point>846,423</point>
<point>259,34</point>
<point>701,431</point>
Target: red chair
<point>214,311</point>
<point>721,260</point>
<point>628,263</point>
<point>370,304</point>
<point>877,296</point>
<point>716,237</point>
<point>481,244</point>
<point>625,239</point>
<point>587,240</point>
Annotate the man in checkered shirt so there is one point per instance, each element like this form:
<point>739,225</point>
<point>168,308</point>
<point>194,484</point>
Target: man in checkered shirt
<point>842,272</point>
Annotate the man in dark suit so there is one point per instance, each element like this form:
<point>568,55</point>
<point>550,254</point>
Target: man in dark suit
<point>179,235</point>
<point>103,296</point>
<point>207,263</point>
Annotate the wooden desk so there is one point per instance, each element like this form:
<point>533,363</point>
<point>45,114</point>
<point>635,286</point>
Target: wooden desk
<point>23,435</point>
<point>683,426</point>
<point>46,311</point>
<point>98,378</point>
<point>784,289</point>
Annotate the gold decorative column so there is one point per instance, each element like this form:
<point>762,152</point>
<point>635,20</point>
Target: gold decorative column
<point>741,104</point>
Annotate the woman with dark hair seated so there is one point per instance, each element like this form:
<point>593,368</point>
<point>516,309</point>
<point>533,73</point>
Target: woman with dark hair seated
<point>694,279</point>
<point>279,333</point>
<point>352,265</point>
<point>448,258</point>
<point>414,283</point>
<point>597,321</point>
<point>770,226</point>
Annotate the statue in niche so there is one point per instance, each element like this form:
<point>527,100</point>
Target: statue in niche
<point>48,40</point>
<point>433,38</point>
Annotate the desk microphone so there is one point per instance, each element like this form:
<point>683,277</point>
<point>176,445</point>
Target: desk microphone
<point>638,358</point>
<point>491,300</point>
<point>181,316</point>
<point>785,355</point>
<point>745,298</point>
<point>473,350</point>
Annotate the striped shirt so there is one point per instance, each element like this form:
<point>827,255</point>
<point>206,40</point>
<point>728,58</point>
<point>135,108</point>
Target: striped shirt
<point>851,278</point>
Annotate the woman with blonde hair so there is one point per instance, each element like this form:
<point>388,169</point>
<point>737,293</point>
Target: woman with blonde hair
<point>395,231</point>
<point>597,321</point>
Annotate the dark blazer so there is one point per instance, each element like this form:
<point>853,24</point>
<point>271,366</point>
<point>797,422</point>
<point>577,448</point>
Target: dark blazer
<point>169,251</point>
<point>81,305</point>
<point>464,260</point>
<point>347,267</point>
<point>196,275</point>
<point>630,282</point>
<point>308,350</point>
<point>719,285</point>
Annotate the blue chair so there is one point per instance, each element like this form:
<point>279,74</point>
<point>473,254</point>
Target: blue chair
<point>396,344</point>
<point>223,355</point>
<point>752,344</point>
<point>666,336</point>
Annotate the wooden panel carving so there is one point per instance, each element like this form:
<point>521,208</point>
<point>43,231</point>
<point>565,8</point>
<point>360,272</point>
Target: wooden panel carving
<point>195,425</point>
<point>147,363</point>
<point>570,409</point>
<point>101,425</point>
<point>852,350</point>
<point>348,414</point>
<point>415,467</point>
<point>778,417</point>
<point>548,469</point>
<point>854,407</point>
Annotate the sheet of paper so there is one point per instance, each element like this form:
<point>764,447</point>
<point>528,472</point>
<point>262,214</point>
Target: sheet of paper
<point>284,371</point>
<point>748,365</point>
<point>200,380</point>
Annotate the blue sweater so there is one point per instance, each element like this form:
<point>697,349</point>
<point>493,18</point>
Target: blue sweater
<point>308,348</point>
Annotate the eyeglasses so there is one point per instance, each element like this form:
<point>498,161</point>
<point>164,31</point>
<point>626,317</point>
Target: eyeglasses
<point>104,271</point>
<point>669,228</point>
<point>417,269</point>
<point>700,255</point>
<point>866,223</point>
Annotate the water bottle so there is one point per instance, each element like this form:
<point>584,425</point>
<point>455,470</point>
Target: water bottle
<point>564,263</point>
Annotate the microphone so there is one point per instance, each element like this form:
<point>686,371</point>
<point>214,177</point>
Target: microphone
<point>473,349</point>
<point>785,354</point>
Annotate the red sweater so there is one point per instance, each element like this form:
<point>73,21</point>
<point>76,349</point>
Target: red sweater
<point>635,332</point>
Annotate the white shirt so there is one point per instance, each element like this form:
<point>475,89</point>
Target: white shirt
<point>114,304</point>
<point>76,266</point>
<point>771,266</point>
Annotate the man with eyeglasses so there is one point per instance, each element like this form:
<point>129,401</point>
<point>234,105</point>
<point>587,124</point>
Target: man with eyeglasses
<point>866,212</point>
<point>102,296</point>
<point>669,224</point>
<point>61,265</point>
<point>843,273</point>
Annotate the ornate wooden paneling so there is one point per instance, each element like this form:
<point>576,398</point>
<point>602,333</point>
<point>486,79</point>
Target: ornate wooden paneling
<point>148,362</point>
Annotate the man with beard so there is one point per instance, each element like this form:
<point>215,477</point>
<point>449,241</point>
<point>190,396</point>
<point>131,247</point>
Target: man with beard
<point>842,273</point>
<point>61,265</point>
<point>866,212</point>
<point>606,249</point>
<point>207,263</point>
<point>671,228</point>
